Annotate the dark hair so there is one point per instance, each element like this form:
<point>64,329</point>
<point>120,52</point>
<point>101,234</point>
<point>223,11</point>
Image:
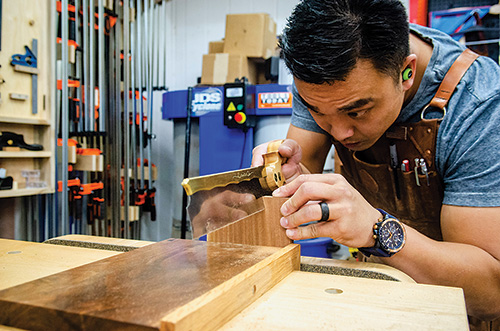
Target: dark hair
<point>324,39</point>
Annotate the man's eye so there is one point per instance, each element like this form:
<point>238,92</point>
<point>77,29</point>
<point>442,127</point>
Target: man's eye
<point>357,114</point>
<point>315,112</point>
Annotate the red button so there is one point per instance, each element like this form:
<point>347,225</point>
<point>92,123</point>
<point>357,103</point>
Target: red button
<point>240,117</point>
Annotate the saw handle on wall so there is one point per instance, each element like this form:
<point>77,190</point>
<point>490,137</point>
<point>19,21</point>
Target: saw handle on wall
<point>272,178</point>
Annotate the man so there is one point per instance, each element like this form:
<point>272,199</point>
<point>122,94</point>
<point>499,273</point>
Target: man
<point>362,81</point>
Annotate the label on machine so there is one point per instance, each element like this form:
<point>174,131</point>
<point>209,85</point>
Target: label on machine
<point>206,101</point>
<point>275,100</point>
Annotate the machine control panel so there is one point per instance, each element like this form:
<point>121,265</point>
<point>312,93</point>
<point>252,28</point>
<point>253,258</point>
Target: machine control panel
<point>235,106</point>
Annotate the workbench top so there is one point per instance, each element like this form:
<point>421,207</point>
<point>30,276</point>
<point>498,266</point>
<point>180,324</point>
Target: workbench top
<point>23,261</point>
<point>355,296</point>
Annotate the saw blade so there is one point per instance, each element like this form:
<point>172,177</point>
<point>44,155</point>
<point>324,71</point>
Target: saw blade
<point>208,182</point>
<point>223,198</point>
<point>212,209</point>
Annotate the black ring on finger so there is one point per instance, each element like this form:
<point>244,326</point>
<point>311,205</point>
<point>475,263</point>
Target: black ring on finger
<point>325,211</point>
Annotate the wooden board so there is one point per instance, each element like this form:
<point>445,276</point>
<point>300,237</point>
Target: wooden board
<point>134,213</point>
<point>89,162</point>
<point>301,302</point>
<point>172,285</point>
<point>260,228</point>
<point>154,173</point>
<point>71,154</point>
<point>22,261</point>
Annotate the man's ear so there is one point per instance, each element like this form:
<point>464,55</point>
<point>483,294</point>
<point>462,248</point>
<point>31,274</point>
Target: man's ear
<point>408,71</point>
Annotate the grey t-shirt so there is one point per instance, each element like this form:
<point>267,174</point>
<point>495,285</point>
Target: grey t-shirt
<point>468,142</point>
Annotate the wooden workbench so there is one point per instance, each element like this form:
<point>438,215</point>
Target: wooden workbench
<point>23,261</point>
<point>300,300</point>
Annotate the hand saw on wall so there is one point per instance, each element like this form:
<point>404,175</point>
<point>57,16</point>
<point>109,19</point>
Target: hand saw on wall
<point>219,199</point>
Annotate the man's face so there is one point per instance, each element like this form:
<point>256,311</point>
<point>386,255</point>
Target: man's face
<point>357,111</point>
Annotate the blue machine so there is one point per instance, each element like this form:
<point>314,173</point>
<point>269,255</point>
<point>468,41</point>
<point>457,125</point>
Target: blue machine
<point>223,148</point>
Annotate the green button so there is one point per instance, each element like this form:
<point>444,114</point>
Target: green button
<point>239,107</point>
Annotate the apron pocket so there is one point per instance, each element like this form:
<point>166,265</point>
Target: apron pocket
<point>420,202</point>
<point>375,182</point>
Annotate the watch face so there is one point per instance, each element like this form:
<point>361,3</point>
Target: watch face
<point>391,235</point>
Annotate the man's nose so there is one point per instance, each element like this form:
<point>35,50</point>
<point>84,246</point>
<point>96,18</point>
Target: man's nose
<point>342,131</point>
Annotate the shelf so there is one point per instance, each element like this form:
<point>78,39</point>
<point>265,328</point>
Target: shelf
<point>17,116</point>
<point>19,120</point>
<point>24,154</point>
<point>25,192</point>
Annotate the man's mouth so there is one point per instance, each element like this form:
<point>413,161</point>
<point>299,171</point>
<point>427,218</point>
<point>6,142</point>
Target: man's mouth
<point>351,145</point>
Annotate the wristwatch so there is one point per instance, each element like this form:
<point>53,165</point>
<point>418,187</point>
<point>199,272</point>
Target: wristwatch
<point>389,235</point>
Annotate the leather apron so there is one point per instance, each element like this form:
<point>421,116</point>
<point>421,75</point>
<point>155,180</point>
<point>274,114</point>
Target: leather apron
<point>412,195</point>
<point>413,198</point>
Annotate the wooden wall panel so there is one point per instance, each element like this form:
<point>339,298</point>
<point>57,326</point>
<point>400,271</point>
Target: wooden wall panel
<point>23,20</point>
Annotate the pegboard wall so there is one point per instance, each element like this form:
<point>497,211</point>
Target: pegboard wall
<point>489,21</point>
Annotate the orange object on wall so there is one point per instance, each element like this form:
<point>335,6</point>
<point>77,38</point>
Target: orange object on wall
<point>418,12</point>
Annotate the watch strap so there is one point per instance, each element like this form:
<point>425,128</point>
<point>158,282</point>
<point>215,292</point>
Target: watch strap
<point>377,250</point>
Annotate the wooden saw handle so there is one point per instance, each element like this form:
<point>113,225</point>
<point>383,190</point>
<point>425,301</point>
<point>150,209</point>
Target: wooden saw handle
<point>272,178</point>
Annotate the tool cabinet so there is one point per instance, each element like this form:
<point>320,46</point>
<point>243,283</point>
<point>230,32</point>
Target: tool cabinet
<point>27,23</point>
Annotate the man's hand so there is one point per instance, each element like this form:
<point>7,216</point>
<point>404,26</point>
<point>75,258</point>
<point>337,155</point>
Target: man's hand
<point>351,216</point>
<point>290,150</point>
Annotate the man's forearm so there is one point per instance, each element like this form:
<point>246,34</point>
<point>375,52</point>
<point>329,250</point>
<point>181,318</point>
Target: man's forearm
<point>453,264</point>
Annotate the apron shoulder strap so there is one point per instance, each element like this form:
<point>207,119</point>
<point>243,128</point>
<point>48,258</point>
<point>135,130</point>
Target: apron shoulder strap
<point>452,78</point>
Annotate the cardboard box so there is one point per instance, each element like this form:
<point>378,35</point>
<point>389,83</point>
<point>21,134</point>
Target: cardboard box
<point>252,35</point>
<point>223,68</point>
<point>216,47</point>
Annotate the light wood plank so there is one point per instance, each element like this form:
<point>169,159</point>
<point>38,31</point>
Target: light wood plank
<point>23,261</point>
<point>22,192</point>
<point>134,213</point>
<point>21,120</point>
<point>154,173</point>
<point>71,154</point>
<point>25,154</point>
<point>300,302</point>
<point>89,162</point>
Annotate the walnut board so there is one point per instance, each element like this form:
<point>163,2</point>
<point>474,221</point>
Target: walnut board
<point>260,228</point>
<point>301,302</point>
<point>170,285</point>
